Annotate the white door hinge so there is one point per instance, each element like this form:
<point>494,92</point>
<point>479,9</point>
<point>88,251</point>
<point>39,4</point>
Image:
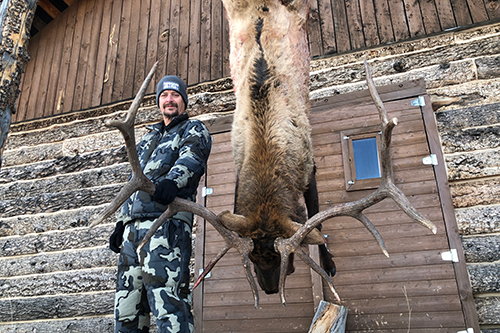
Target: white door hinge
<point>451,255</point>
<point>206,191</point>
<point>431,159</point>
<point>469,330</point>
<point>420,101</point>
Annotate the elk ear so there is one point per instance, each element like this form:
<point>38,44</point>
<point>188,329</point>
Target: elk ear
<point>314,237</point>
<point>234,222</point>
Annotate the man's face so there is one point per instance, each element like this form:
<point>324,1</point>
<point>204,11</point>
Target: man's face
<point>171,105</point>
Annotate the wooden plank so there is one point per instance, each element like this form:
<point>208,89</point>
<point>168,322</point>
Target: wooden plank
<point>226,68</point>
<point>82,63</point>
<point>262,325</point>
<point>141,59</point>
<point>121,57</point>
<point>100,63</point>
<point>49,8</point>
<point>418,320</point>
<point>33,110</point>
<point>398,19</point>
<point>461,273</point>
<point>430,17</point>
<point>395,289</point>
<point>49,33</point>
<point>477,11</point>
<point>328,27</point>
<point>153,42</point>
<point>27,81</point>
<point>414,17</point>
<point>65,59</point>
<point>92,65</point>
<point>164,40</point>
<point>131,51</point>
<point>76,47</point>
<point>245,298</point>
<point>194,68</point>
<point>355,24</point>
<point>236,285</point>
<point>265,311</point>
<point>384,23</point>
<point>369,20</point>
<point>445,14</point>
<point>341,27</point>
<point>199,254</point>
<point>461,11</point>
<point>314,31</point>
<point>112,54</point>
<point>493,8</point>
<point>183,55</point>
<point>173,41</point>
<point>205,40</point>
<point>216,47</point>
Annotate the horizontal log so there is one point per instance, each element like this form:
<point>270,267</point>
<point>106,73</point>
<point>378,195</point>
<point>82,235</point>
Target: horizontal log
<point>488,310</point>
<point>470,165</point>
<point>64,164</point>
<point>84,324</point>
<point>78,238</point>
<point>478,220</point>
<point>26,155</point>
<point>115,174</point>
<point>484,277</point>
<point>53,202</point>
<point>72,282</point>
<point>487,67</point>
<point>61,220</point>
<point>58,262</point>
<point>52,307</point>
<point>457,119</point>
<point>470,139</point>
<point>481,248</point>
<point>474,193</point>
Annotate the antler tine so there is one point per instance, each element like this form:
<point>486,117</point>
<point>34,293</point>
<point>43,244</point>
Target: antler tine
<point>138,181</point>
<point>243,245</point>
<point>354,209</point>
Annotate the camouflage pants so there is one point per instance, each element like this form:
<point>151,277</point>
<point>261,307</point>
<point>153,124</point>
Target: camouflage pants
<point>157,281</point>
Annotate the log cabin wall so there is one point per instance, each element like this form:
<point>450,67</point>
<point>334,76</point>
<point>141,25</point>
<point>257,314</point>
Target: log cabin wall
<point>98,52</point>
<point>59,171</point>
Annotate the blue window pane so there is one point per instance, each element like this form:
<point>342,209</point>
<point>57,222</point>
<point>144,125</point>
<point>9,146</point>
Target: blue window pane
<point>366,158</point>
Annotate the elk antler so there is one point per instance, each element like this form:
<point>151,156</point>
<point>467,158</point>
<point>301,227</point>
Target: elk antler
<point>139,181</point>
<point>354,209</point>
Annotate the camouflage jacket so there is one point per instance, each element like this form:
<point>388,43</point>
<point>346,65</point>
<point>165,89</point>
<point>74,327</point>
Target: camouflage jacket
<point>178,152</point>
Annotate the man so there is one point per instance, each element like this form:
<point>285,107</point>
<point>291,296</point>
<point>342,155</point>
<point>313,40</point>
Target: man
<point>174,156</point>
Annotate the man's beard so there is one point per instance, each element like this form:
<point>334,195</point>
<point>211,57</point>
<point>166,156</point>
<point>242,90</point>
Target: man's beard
<point>170,115</point>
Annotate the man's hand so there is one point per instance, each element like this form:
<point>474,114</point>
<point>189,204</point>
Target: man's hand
<point>166,191</point>
<point>116,238</point>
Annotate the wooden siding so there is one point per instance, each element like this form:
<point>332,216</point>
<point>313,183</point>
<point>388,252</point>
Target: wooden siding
<point>98,52</point>
<point>378,291</point>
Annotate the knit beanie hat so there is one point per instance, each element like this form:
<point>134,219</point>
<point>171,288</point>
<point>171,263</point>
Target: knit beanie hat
<point>172,82</point>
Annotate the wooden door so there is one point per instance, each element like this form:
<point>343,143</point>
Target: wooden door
<point>412,289</point>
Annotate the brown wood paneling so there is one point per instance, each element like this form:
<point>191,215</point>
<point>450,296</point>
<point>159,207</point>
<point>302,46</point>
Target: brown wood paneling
<point>183,55</point>
<point>101,51</point>
<point>29,69</point>
<point>205,40</point>
<point>133,48</point>
<point>194,66</point>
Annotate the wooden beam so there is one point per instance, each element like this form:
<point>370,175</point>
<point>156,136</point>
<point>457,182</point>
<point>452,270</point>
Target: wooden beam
<point>49,8</point>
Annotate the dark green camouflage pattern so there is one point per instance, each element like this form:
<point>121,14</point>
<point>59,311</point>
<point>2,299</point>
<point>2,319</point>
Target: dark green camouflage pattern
<point>157,281</point>
<point>178,152</point>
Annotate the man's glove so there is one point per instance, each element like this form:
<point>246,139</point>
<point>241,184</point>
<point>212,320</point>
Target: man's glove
<point>116,238</point>
<point>166,191</point>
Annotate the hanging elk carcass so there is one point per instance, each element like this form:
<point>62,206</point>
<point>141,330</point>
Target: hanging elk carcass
<point>272,151</point>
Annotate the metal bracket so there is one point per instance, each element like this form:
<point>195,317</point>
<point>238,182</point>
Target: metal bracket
<point>206,191</point>
<point>431,159</point>
<point>420,101</point>
<point>206,276</point>
<point>469,330</point>
<point>451,255</point>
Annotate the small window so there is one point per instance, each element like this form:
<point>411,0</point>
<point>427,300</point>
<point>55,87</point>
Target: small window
<point>360,151</point>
